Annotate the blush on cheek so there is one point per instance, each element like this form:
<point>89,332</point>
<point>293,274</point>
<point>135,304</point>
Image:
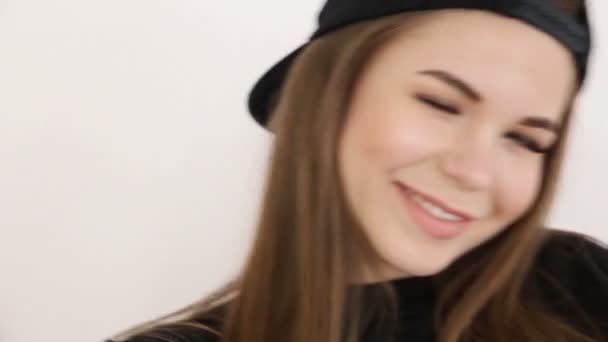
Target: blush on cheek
<point>407,148</point>
<point>520,198</point>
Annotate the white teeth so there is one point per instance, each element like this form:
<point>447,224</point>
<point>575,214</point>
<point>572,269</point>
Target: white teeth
<point>433,209</point>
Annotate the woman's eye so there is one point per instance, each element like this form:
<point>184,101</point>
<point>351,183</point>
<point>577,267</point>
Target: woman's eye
<point>527,142</point>
<point>438,104</point>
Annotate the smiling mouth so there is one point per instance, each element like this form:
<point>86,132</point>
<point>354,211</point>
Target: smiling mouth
<point>432,216</point>
<point>434,206</point>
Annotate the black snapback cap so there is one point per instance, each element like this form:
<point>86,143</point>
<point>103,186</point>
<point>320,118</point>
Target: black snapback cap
<point>572,31</point>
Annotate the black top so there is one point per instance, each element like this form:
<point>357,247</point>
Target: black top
<point>579,265</point>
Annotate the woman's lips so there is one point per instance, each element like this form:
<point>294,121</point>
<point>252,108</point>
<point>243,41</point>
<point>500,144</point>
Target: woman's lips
<point>438,203</point>
<point>433,225</point>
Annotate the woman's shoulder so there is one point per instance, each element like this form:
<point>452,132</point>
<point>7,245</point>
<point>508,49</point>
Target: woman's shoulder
<point>203,327</point>
<point>565,254</point>
<point>177,332</point>
<point>570,278</point>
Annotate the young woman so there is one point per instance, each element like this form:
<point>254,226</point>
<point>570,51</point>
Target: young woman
<point>417,148</point>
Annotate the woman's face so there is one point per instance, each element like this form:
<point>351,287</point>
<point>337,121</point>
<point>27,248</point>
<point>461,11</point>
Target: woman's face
<point>446,135</point>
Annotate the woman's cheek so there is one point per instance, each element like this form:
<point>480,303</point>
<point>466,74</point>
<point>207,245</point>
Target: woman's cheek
<point>519,189</point>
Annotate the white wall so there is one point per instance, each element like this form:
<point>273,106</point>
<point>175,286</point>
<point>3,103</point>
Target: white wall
<point>130,170</point>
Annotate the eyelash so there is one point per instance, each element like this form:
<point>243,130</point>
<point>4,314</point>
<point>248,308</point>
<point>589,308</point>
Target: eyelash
<point>524,141</point>
<point>528,143</point>
<point>442,106</point>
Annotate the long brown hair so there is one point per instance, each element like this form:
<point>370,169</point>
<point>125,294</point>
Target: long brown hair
<point>294,286</point>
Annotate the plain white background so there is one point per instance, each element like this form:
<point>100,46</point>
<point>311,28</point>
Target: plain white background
<point>131,172</point>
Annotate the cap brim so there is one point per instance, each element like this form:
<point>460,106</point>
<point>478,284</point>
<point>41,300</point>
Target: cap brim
<point>267,86</point>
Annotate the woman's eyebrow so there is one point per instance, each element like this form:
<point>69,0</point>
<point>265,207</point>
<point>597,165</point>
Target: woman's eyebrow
<point>454,82</point>
<point>540,122</point>
<point>462,86</point>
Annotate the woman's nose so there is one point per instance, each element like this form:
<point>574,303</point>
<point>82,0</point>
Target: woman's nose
<point>470,162</point>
